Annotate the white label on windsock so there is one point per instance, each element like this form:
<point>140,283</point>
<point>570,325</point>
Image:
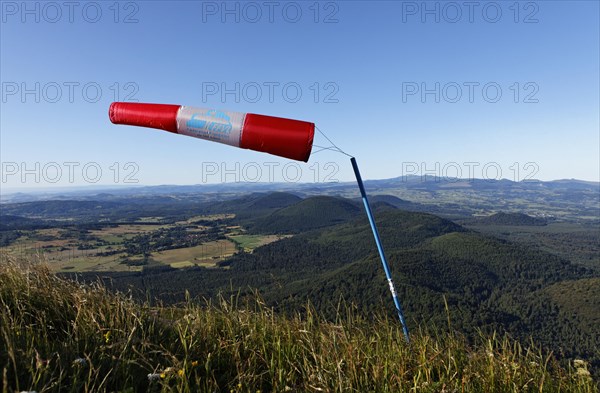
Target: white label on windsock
<point>212,124</point>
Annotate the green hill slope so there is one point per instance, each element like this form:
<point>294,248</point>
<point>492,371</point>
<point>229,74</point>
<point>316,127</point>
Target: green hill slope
<point>253,205</point>
<point>309,213</point>
<point>61,336</point>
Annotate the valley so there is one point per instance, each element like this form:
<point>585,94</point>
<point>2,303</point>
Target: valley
<point>508,272</point>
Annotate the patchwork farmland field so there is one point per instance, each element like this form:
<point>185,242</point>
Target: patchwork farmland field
<point>207,254</point>
<point>114,247</point>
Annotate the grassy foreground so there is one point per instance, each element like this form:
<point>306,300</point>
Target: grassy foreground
<point>58,335</point>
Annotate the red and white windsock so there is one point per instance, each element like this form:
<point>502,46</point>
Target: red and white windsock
<point>274,135</point>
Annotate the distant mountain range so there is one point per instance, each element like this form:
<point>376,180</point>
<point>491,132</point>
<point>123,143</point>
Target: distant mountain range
<point>560,199</point>
<point>408,182</point>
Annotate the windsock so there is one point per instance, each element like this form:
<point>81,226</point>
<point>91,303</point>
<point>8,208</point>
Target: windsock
<point>274,135</point>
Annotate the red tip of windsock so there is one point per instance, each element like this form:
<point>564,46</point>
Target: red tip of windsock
<point>274,135</point>
<point>161,116</point>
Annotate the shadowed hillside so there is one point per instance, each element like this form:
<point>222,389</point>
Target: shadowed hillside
<point>310,213</point>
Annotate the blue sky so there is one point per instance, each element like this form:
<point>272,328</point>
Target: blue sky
<point>512,89</point>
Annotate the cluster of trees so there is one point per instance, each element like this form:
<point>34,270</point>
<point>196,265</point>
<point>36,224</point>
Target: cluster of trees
<point>170,238</point>
<point>8,237</point>
<point>12,227</point>
<point>502,218</point>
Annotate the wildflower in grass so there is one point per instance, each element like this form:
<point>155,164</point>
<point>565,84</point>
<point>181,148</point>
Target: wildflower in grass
<point>194,363</point>
<point>154,377</point>
<point>166,372</point>
<point>39,362</point>
<point>80,362</point>
<point>582,372</point>
<point>181,373</point>
<point>579,363</point>
<point>107,337</point>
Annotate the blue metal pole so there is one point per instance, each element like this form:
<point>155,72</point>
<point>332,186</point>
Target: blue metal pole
<point>384,262</point>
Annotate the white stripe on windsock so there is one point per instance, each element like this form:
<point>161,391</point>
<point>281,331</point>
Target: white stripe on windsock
<point>211,124</point>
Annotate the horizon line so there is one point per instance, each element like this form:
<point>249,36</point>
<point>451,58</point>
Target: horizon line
<point>424,178</point>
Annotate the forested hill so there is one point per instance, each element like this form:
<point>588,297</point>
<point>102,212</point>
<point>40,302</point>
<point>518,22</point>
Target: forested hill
<point>310,213</point>
<point>502,218</point>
